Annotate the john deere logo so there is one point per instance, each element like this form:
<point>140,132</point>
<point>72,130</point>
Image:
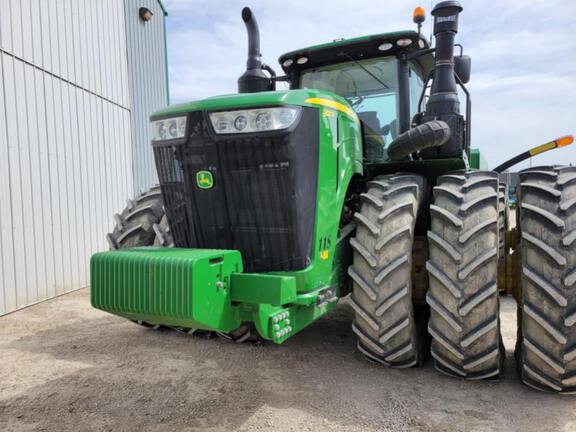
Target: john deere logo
<point>204,179</point>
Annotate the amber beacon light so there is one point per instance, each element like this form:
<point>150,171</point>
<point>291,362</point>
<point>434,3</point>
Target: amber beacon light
<point>419,15</point>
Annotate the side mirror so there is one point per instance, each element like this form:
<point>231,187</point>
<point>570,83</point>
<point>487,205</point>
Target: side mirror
<point>462,67</point>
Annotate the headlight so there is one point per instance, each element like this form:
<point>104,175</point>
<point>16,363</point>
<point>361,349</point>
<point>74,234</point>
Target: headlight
<point>168,129</point>
<point>254,120</point>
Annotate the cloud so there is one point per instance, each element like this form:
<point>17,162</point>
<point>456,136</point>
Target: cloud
<point>524,57</point>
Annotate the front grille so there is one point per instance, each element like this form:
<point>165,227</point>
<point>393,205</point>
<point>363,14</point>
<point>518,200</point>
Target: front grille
<point>263,200</point>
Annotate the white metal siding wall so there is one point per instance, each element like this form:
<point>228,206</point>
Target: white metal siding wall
<point>65,150</point>
<point>148,84</point>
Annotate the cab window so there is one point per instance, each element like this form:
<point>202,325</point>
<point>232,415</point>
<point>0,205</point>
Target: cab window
<point>371,88</point>
<point>416,83</point>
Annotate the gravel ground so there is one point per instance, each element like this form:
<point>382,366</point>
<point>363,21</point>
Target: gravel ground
<point>68,367</point>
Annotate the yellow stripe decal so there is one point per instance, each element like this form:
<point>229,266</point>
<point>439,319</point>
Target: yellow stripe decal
<point>334,105</point>
<point>542,148</point>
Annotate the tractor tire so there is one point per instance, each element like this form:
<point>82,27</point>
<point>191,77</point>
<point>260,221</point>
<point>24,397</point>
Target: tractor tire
<point>135,225</point>
<point>382,270</point>
<point>546,349</point>
<point>463,269</point>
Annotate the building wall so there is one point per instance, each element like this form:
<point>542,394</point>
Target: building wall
<point>65,141</point>
<point>146,65</point>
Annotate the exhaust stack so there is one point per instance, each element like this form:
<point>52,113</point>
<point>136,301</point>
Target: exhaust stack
<point>254,79</point>
<point>444,103</point>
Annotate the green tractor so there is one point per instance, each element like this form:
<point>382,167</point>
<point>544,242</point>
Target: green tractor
<point>274,205</point>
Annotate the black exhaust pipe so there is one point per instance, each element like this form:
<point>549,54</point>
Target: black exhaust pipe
<point>444,103</point>
<point>254,79</point>
<point>444,95</point>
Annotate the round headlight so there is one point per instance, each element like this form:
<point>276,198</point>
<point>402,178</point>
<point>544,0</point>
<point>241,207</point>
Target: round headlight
<point>404,42</point>
<point>162,131</point>
<point>285,117</point>
<point>172,129</point>
<point>222,125</point>
<point>287,63</point>
<point>302,60</point>
<point>182,126</point>
<point>385,46</point>
<point>263,121</point>
<point>240,122</point>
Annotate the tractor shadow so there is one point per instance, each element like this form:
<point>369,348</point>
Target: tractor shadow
<point>140,379</point>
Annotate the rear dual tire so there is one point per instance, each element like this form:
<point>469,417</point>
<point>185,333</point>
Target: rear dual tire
<point>466,249</point>
<point>463,268</point>
<point>546,345</point>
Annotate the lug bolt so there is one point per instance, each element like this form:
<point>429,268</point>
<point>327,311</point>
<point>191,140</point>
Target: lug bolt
<point>287,321</point>
<point>276,327</point>
<point>278,335</point>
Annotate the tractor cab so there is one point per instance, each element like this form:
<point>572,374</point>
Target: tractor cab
<point>372,74</point>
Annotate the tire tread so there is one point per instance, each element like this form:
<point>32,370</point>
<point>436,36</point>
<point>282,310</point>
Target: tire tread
<point>464,248</point>
<point>546,348</point>
<point>381,271</point>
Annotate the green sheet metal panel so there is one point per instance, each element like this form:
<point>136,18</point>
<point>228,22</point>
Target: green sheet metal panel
<point>477,160</point>
<point>263,288</point>
<point>169,286</point>
<point>474,158</point>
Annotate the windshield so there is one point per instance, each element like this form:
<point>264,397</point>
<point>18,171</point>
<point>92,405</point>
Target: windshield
<point>371,88</point>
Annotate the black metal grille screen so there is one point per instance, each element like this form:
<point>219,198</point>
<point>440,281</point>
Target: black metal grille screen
<point>174,194</point>
<point>263,198</point>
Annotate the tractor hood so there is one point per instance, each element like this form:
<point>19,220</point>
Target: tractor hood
<point>302,97</point>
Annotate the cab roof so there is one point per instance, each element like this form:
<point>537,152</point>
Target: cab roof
<point>359,48</point>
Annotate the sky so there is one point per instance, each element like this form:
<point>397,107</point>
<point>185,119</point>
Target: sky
<point>523,53</point>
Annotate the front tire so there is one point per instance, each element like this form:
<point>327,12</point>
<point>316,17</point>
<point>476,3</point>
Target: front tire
<point>135,225</point>
<point>382,270</point>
